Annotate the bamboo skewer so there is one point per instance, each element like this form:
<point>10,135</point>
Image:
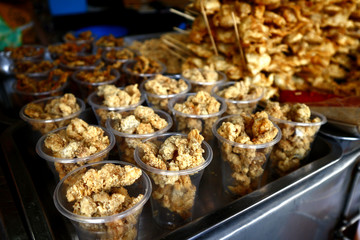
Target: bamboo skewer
<point>208,27</point>
<point>180,49</point>
<point>176,54</point>
<point>185,15</point>
<point>179,44</point>
<point>239,41</point>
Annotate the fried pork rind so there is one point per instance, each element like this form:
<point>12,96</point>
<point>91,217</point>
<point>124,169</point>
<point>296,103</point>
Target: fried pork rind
<point>116,57</point>
<point>54,80</point>
<point>203,79</point>
<point>245,141</point>
<point>202,104</point>
<point>301,45</point>
<point>78,140</point>
<point>26,52</point>
<point>158,50</point>
<point>142,68</point>
<point>299,128</point>
<point>239,96</point>
<point>74,61</point>
<point>177,152</point>
<point>132,126</point>
<point>58,49</point>
<point>145,65</point>
<point>33,67</point>
<point>83,36</point>
<point>110,98</point>
<point>162,88</point>
<point>95,76</point>
<point>210,6</point>
<point>101,193</point>
<point>56,108</point>
<point>110,41</point>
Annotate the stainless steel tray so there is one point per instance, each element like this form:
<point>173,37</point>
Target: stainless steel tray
<point>216,215</point>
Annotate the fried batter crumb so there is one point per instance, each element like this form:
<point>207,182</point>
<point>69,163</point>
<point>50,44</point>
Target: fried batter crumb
<point>78,140</point>
<point>246,164</point>
<point>200,104</point>
<point>100,193</point>
<point>115,97</point>
<point>56,108</point>
<point>143,120</point>
<point>240,91</point>
<point>176,153</point>
<point>296,140</point>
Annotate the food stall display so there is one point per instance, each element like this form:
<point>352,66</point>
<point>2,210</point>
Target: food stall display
<point>237,94</point>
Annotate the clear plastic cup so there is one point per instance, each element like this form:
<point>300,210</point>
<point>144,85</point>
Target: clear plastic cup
<point>88,66</point>
<point>237,106</point>
<point>46,125</point>
<point>174,192</point>
<point>117,63</point>
<point>295,145</point>
<point>205,86</point>
<point>184,123</point>
<point>115,60</point>
<point>161,101</point>
<point>123,225</point>
<point>38,74</point>
<point>20,98</point>
<point>132,78</point>
<point>242,165</point>
<point>62,166</point>
<point>57,49</point>
<point>87,43</point>
<point>86,88</point>
<point>127,143</point>
<point>37,53</point>
<point>101,111</point>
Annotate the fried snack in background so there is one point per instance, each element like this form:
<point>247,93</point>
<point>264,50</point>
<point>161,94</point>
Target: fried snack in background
<point>293,45</point>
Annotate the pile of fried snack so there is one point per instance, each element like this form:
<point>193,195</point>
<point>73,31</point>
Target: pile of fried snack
<point>293,45</point>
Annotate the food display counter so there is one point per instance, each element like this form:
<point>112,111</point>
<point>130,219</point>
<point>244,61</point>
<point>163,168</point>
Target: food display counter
<point>317,201</point>
<point>306,204</point>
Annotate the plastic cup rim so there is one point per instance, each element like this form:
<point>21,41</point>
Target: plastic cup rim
<point>124,108</point>
<point>31,58</point>
<point>252,146</point>
<point>97,220</point>
<point>225,84</point>
<point>172,102</point>
<point>118,48</point>
<point>33,74</point>
<point>222,80</point>
<point>128,135</point>
<point>59,89</point>
<point>124,69</point>
<point>196,169</point>
<point>34,120</point>
<point>74,160</point>
<point>162,96</point>
<point>302,124</point>
<point>95,84</point>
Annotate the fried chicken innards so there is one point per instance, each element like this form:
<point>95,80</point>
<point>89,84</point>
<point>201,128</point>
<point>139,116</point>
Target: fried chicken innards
<point>175,192</point>
<point>244,164</point>
<point>296,140</point>
<point>102,192</point>
<point>78,140</point>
